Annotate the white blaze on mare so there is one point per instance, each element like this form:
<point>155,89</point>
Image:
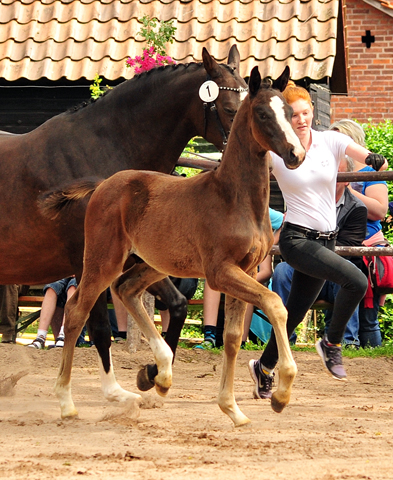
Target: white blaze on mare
<point>277,105</point>
<point>243,95</point>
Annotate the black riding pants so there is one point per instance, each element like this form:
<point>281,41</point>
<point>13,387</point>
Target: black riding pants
<point>315,262</point>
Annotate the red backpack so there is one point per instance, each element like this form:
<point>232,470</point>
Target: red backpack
<point>380,273</point>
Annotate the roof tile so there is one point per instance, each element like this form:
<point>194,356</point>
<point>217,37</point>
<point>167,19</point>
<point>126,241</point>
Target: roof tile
<point>79,38</point>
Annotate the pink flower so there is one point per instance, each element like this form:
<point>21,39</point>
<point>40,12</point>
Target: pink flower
<point>147,61</point>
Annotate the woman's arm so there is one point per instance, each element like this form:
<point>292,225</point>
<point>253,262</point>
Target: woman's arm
<point>375,199</point>
<point>359,153</point>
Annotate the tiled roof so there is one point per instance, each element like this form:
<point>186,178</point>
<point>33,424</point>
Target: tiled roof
<point>79,38</point>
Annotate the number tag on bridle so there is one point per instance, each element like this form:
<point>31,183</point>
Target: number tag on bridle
<point>209,91</point>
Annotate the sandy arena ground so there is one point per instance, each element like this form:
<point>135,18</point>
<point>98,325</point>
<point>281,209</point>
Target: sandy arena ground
<point>330,430</point>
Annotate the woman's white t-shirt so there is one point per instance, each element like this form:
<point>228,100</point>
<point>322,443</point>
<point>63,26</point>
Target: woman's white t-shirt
<point>309,191</point>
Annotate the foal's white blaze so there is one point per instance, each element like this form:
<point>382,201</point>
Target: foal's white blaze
<point>111,389</point>
<point>277,105</point>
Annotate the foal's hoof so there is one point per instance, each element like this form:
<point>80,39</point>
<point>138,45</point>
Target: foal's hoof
<point>162,391</point>
<point>145,377</point>
<point>277,405</point>
<point>69,413</point>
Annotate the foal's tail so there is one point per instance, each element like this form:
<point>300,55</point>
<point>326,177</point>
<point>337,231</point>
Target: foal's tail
<point>53,203</point>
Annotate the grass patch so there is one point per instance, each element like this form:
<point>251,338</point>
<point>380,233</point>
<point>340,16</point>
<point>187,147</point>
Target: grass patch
<point>33,327</point>
<point>383,351</point>
<point>303,348</point>
<point>192,331</point>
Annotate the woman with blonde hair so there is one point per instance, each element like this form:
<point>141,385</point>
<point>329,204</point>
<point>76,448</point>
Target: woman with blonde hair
<point>374,194</point>
<point>307,238</point>
<point>350,128</point>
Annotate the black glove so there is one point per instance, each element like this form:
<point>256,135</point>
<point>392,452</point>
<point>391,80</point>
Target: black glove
<point>375,160</point>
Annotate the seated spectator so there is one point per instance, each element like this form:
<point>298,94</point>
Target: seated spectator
<point>212,298</point>
<point>55,294</point>
<point>374,194</point>
<point>9,310</point>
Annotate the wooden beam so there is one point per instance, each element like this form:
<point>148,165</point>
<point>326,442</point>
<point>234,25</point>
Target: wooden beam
<point>204,164</point>
<point>352,251</point>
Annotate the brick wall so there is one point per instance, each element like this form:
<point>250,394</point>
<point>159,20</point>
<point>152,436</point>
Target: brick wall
<point>371,79</point>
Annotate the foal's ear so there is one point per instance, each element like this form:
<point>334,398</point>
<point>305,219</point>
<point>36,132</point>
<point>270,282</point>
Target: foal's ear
<point>211,66</point>
<point>234,57</point>
<point>255,82</point>
<point>282,81</point>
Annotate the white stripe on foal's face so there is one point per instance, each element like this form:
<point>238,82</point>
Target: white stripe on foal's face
<point>277,105</point>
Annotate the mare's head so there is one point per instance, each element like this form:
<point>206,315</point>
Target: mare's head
<point>271,118</point>
<point>231,91</point>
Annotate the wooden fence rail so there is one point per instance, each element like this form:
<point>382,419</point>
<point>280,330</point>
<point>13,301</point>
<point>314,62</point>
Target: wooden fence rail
<point>206,165</point>
<point>352,251</point>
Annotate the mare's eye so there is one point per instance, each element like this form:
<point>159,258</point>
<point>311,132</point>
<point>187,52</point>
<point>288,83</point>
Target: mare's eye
<point>230,111</point>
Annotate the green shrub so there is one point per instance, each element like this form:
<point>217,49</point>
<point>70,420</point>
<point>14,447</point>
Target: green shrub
<point>386,321</point>
<point>379,139</point>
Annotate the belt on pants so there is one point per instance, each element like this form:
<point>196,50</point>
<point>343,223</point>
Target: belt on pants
<point>312,234</point>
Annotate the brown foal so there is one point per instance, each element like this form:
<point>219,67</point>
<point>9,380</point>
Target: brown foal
<point>215,226</point>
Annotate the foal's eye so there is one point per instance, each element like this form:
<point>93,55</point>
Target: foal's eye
<point>263,114</point>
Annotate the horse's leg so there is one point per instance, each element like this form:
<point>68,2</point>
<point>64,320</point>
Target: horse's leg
<point>100,333</point>
<point>74,322</point>
<point>271,304</point>
<point>177,305</point>
<point>233,281</point>
<point>233,330</point>
<point>77,311</point>
<point>129,287</point>
<point>166,291</point>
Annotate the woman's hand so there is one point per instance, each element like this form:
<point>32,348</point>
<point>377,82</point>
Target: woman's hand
<point>377,161</point>
<point>362,155</point>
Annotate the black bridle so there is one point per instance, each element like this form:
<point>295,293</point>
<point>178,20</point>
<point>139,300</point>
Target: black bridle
<point>213,109</point>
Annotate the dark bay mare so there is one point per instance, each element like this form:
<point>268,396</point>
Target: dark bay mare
<point>144,123</point>
<point>221,232</point>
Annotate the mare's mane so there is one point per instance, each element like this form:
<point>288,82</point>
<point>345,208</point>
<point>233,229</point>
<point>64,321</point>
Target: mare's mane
<point>166,69</point>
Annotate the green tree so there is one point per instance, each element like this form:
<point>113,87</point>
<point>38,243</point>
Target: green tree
<point>157,33</point>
